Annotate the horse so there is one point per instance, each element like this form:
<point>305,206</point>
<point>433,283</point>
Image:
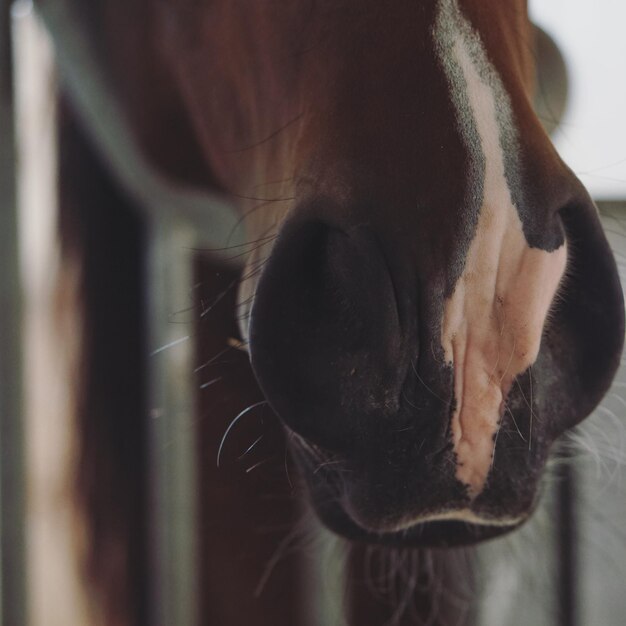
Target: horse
<point>431,272</point>
<point>429,301</point>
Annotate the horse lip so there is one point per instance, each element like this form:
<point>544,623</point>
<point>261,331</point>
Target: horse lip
<point>466,516</point>
<point>423,534</point>
<point>436,530</point>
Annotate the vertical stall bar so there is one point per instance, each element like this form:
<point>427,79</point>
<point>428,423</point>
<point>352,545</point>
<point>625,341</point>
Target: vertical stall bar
<point>325,600</point>
<point>567,546</point>
<point>172,448</point>
<point>599,465</point>
<point>12,576</point>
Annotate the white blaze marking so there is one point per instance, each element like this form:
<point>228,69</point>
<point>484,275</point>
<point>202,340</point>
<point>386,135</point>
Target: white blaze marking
<point>493,321</point>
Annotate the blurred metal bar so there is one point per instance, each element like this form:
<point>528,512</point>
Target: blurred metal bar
<point>600,468</point>
<point>172,447</point>
<point>567,546</point>
<point>325,584</point>
<point>12,492</point>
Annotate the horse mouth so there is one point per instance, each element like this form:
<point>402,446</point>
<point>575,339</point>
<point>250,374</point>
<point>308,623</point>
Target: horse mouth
<point>370,398</point>
<point>456,527</point>
<point>440,533</point>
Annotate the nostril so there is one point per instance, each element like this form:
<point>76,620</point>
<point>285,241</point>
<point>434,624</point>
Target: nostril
<point>324,331</point>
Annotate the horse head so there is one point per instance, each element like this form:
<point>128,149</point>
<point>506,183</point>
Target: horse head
<point>432,301</point>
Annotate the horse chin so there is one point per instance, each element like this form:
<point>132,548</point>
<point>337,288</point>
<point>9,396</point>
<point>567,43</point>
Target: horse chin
<point>456,521</point>
<point>438,533</point>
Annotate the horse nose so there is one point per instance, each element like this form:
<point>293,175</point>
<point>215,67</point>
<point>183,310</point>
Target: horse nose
<point>325,333</point>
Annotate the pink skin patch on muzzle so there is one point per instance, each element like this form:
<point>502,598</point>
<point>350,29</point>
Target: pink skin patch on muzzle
<point>494,320</point>
<point>491,333</point>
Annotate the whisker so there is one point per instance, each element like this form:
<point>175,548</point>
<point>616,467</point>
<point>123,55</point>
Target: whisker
<point>287,470</point>
<point>268,137</point>
<point>519,432</point>
<point>424,384</point>
<point>213,359</point>
<point>232,424</point>
<point>249,252</point>
<point>530,430</point>
<point>250,448</point>
<point>211,382</point>
<point>244,197</point>
<point>279,553</point>
<point>263,462</point>
<point>526,401</point>
<point>495,443</point>
<point>246,215</point>
<point>169,345</point>
<point>218,299</point>
<point>225,248</point>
